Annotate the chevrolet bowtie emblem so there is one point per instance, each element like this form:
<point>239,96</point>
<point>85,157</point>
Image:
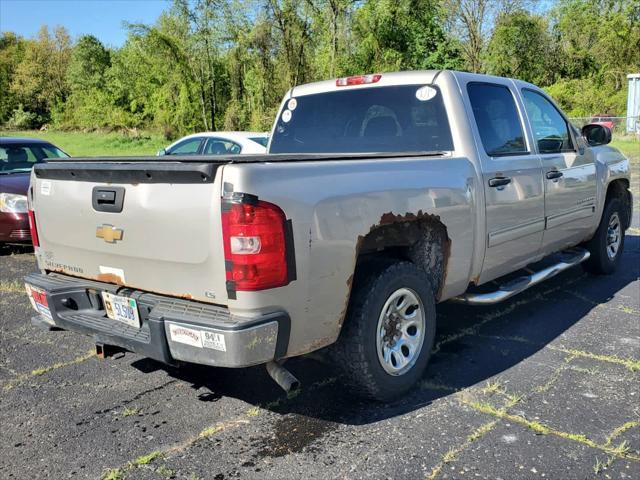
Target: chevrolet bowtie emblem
<point>109,233</point>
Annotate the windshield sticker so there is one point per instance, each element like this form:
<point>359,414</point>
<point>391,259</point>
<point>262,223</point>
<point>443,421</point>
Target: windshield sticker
<point>426,93</point>
<point>286,116</point>
<point>292,104</point>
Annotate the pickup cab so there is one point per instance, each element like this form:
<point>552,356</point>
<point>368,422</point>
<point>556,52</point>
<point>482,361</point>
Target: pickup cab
<point>381,196</point>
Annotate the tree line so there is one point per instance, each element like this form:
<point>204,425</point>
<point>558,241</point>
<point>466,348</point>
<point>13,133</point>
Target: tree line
<point>225,64</point>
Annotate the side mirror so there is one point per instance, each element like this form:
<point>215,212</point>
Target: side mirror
<point>162,152</point>
<point>596,134</point>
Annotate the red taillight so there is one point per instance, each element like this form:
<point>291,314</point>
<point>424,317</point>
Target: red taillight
<point>358,80</point>
<point>40,297</point>
<point>34,230</point>
<point>254,245</point>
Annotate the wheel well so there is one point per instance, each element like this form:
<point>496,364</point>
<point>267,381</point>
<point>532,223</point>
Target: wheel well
<point>620,189</point>
<point>418,238</point>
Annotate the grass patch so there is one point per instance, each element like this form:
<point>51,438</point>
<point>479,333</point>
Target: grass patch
<point>552,380</point>
<point>454,452</point>
<point>600,466</point>
<point>493,387</point>
<point>113,474</point>
<point>128,412</point>
<point>41,371</point>
<point>539,428</point>
<point>620,430</point>
<point>207,432</point>
<point>629,146</point>
<point>629,363</point>
<point>146,459</point>
<point>13,286</point>
<point>165,472</point>
<point>79,144</point>
<point>253,412</point>
<point>120,473</point>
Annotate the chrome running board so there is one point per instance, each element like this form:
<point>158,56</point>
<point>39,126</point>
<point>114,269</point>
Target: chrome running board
<point>513,287</point>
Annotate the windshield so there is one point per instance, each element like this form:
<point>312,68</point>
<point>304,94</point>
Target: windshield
<point>261,140</point>
<point>20,157</point>
<point>408,118</point>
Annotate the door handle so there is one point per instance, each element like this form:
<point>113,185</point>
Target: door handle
<point>499,181</point>
<point>553,174</point>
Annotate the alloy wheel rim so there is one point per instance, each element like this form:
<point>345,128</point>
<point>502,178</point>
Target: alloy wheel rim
<point>613,236</point>
<point>400,332</point>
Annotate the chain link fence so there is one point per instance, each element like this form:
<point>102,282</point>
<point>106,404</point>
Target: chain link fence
<point>621,125</point>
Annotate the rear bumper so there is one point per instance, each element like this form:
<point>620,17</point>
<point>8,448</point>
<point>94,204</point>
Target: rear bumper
<point>172,329</point>
<point>14,228</point>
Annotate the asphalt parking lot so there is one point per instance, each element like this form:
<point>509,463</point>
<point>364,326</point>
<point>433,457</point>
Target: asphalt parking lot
<point>546,385</point>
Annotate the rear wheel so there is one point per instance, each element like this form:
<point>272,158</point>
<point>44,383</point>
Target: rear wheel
<point>607,244</point>
<point>389,331</point>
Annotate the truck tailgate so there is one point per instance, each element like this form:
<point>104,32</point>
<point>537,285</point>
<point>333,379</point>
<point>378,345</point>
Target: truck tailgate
<point>166,238</point>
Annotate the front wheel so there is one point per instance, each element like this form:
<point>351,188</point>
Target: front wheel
<point>389,331</point>
<point>607,244</point>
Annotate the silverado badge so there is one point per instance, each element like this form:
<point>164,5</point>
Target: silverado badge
<point>109,233</point>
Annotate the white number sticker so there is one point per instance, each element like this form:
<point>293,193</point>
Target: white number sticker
<point>214,340</point>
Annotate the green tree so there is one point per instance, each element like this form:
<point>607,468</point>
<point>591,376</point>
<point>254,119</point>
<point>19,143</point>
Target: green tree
<point>331,33</point>
<point>11,53</point>
<point>89,63</point>
<point>598,43</point>
<point>40,79</point>
<point>520,47</point>
<point>401,35</point>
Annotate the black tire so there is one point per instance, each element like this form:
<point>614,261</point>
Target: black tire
<point>600,262</point>
<point>356,350</point>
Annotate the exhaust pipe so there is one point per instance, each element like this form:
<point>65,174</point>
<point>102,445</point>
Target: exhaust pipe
<point>104,351</point>
<point>282,377</point>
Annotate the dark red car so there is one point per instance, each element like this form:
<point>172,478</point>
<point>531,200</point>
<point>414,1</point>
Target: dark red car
<point>605,120</point>
<point>17,157</point>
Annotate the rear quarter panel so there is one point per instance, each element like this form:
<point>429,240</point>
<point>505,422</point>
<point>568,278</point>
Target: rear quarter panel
<point>334,203</point>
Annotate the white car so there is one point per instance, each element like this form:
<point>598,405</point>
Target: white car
<point>218,143</point>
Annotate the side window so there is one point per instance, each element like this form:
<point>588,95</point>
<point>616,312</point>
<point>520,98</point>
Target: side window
<point>218,146</point>
<point>497,119</point>
<point>53,152</point>
<point>16,157</point>
<point>550,129</point>
<point>186,147</point>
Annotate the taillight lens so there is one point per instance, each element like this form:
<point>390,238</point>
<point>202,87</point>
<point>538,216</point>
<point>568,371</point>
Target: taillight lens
<point>34,231</point>
<point>254,245</point>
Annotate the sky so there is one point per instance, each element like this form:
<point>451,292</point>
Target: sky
<point>102,18</point>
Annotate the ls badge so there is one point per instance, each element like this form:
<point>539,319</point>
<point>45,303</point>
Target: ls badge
<point>109,233</point>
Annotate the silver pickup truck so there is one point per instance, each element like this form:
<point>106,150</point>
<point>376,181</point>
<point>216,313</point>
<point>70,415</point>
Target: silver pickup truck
<point>381,196</point>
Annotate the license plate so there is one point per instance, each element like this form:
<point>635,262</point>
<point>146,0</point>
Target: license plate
<point>121,309</point>
<point>39,300</point>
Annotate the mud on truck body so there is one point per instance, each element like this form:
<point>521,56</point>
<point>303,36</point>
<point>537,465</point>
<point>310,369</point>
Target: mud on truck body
<point>381,196</point>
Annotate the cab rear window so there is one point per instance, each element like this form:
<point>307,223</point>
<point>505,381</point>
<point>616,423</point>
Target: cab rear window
<point>407,118</point>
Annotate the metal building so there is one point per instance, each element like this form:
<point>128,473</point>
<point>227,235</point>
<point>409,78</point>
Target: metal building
<point>633,103</point>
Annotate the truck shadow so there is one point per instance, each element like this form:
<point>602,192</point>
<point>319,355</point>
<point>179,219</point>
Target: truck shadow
<point>14,249</point>
<point>473,344</point>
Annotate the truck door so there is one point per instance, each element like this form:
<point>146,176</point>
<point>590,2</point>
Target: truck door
<point>512,179</point>
<point>569,174</point>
